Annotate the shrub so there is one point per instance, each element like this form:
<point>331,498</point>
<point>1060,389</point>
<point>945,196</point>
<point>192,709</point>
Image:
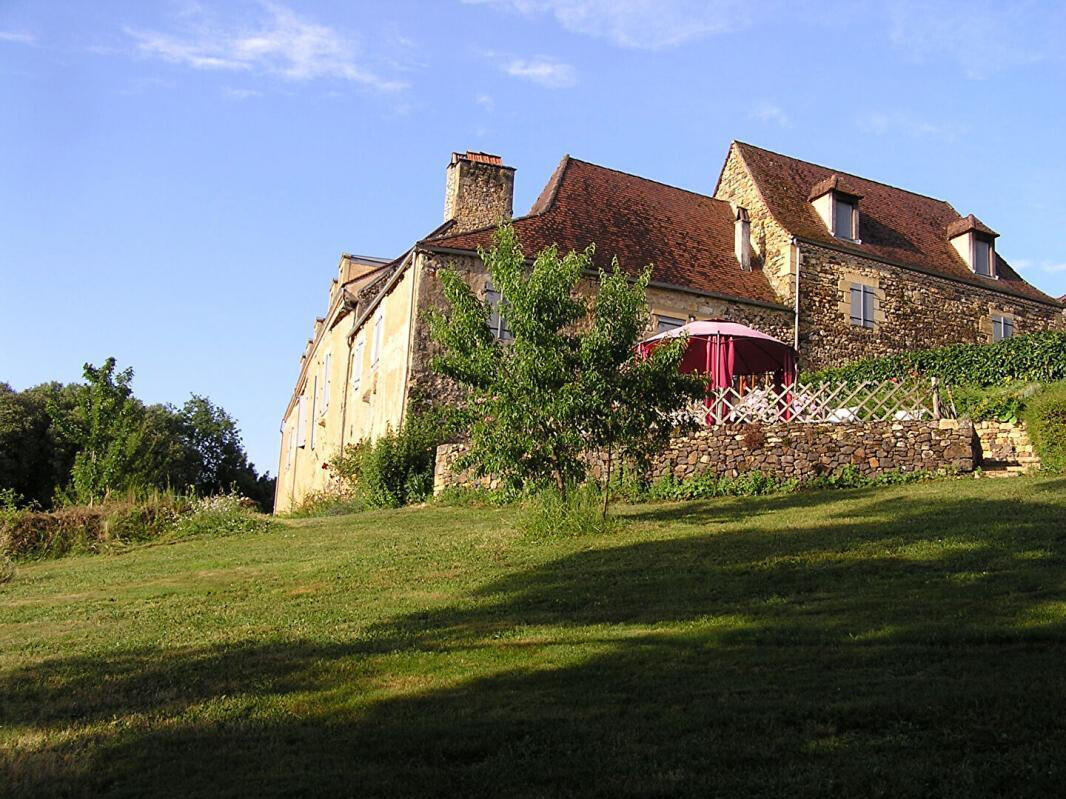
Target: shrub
<point>7,569</point>
<point>703,486</point>
<point>94,528</point>
<point>222,514</point>
<point>1045,419</point>
<point>1038,357</point>
<point>549,513</point>
<point>397,468</point>
<point>331,502</point>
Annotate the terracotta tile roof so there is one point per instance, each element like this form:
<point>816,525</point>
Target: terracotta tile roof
<point>686,237</point>
<point>894,224</point>
<point>834,183</point>
<point>968,223</point>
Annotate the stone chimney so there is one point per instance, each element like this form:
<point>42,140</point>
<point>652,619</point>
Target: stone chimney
<point>478,192</point>
<point>742,238</point>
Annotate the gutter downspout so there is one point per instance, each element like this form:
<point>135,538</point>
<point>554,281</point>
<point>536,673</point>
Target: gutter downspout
<point>796,330</point>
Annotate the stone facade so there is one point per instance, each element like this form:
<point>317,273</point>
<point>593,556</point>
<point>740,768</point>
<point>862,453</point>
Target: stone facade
<point>791,451</point>
<point>913,310</point>
<point>1006,446</point>
<point>478,191</point>
<point>771,244</point>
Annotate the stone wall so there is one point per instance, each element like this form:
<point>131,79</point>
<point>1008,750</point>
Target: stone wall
<point>771,244</point>
<point>1005,445</point>
<point>787,451</point>
<point>913,310</point>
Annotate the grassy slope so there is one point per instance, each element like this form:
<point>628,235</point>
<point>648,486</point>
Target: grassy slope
<point>903,641</point>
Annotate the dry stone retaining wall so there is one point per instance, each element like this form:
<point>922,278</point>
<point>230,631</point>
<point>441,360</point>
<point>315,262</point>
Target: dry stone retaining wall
<point>1007,445</point>
<point>800,451</point>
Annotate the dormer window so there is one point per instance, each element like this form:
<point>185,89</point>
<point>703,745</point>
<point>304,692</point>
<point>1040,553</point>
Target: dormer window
<point>982,257</point>
<point>837,203</point>
<point>845,215</point>
<point>975,243</point>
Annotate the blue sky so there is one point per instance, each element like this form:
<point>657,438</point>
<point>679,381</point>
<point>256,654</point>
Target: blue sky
<point>179,179</point>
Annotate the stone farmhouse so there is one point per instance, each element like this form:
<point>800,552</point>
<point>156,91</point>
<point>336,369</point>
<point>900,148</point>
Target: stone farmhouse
<point>840,266</point>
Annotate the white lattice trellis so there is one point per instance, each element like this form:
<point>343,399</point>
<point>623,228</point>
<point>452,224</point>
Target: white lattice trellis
<point>844,402</point>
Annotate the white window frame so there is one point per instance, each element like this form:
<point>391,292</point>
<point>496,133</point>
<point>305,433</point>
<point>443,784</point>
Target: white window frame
<point>1003,327</point>
<point>357,363</point>
<point>864,290</point>
<point>379,332</point>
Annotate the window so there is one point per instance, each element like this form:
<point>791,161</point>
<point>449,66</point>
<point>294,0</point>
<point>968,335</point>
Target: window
<point>375,344</point>
<point>1002,327</point>
<point>982,257</point>
<point>325,383</point>
<point>844,219</point>
<point>301,421</point>
<point>497,315</point>
<point>665,323</point>
<point>862,305</point>
<point>357,365</point>
<point>315,401</point>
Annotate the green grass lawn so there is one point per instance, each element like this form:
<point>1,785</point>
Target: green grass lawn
<point>906,641</point>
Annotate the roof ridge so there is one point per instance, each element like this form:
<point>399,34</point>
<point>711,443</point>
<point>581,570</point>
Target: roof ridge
<point>846,174</point>
<point>648,180</point>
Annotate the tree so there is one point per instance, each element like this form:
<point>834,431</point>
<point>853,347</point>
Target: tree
<point>107,427</point>
<point>629,405</point>
<point>555,391</point>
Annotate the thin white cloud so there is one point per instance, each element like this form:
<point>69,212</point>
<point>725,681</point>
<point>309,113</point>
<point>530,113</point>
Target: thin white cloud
<point>546,72</point>
<point>894,123</point>
<point>18,37</point>
<point>640,24</point>
<point>485,101</point>
<point>981,37</point>
<point>240,94</point>
<point>282,44</point>
<point>771,114</point>
<point>1045,265</point>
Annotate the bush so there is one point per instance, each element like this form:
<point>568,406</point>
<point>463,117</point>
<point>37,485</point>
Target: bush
<point>703,486</point>
<point>222,514</point>
<point>7,569</point>
<point>1038,357</point>
<point>397,468</point>
<point>94,528</point>
<point>331,502</point>
<point>548,514</point>
<point>1045,419</point>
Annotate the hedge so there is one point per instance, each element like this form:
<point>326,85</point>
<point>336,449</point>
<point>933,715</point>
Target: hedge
<point>1045,419</point>
<point>1038,357</point>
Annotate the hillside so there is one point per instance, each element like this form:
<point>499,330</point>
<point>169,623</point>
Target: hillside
<point>901,642</point>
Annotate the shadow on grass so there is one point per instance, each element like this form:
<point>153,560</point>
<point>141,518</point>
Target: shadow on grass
<point>905,649</point>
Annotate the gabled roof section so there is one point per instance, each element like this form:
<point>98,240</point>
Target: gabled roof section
<point>687,238</point>
<point>968,223</point>
<point>895,225</point>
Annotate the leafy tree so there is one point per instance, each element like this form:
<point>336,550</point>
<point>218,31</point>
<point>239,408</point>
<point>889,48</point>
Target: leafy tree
<point>107,427</point>
<point>556,390</point>
<point>629,405</point>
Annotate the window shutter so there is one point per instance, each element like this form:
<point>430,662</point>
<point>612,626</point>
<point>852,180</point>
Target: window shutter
<point>314,410</point>
<point>357,365</point>
<point>326,381</point>
<point>867,306</point>
<point>1008,327</point>
<point>856,305</point>
<point>301,421</point>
